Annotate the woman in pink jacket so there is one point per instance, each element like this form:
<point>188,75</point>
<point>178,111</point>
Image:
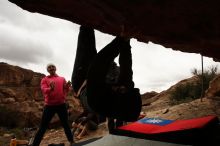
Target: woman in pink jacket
<point>54,89</point>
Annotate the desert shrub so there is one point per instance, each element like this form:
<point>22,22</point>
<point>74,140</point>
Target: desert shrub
<point>186,93</point>
<point>8,118</point>
<point>191,91</point>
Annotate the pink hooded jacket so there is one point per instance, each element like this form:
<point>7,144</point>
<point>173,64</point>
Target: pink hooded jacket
<point>57,96</point>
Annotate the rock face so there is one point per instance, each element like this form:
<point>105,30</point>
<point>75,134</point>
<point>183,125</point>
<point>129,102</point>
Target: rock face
<point>214,88</point>
<point>188,26</point>
<point>162,100</point>
<point>160,104</point>
<point>21,99</point>
<point>20,93</point>
<point>213,93</point>
<point>148,98</point>
<point>23,83</point>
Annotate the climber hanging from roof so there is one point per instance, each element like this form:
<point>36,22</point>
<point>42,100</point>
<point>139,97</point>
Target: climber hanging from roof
<point>119,99</point>
<point>86,51</point>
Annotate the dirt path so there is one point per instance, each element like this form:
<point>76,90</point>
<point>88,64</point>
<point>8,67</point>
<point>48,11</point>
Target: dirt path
<point>58,136</point>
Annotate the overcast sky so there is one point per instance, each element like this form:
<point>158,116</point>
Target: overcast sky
<point>32,40</point>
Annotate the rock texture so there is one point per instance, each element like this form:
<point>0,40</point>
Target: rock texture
<point>20,93</point>
<point>214,88</point>
<point>163,99</point>
<point>161,103</point>
<point>188,26</point>
<point>213,93</point>
<point>21,98</point>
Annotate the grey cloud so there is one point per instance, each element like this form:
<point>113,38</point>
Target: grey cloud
<point>21,55</point>
<point>24,36</point>
<point>10,12</point>
<point>14,15</point>
<point>16,45</point>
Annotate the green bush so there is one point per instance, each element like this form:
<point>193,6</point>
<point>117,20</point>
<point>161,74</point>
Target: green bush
<point>191,91</point>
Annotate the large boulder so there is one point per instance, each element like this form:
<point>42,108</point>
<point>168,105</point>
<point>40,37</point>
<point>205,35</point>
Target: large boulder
<point>20,94</point>
<point>213,93</point>
<point>17,76</point>
<point>161,104</point>
<point>214,88</point>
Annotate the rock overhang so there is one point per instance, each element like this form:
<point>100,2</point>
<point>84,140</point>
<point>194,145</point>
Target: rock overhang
<point>184,25</point>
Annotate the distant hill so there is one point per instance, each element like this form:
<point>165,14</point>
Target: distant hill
<point>161,105</point>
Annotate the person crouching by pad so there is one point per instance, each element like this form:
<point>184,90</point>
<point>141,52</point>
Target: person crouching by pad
<point>84,124</point>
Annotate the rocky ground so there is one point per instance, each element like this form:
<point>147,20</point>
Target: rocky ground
<point>21,101</point>
<point>159,105</point>
<point>193,109</point>
<point>58,136</point>
<point>188,110</point>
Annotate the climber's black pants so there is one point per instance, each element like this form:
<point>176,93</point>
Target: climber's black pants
<point>86,51</point>
<point>48,113</point>
<point>101,96</point>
